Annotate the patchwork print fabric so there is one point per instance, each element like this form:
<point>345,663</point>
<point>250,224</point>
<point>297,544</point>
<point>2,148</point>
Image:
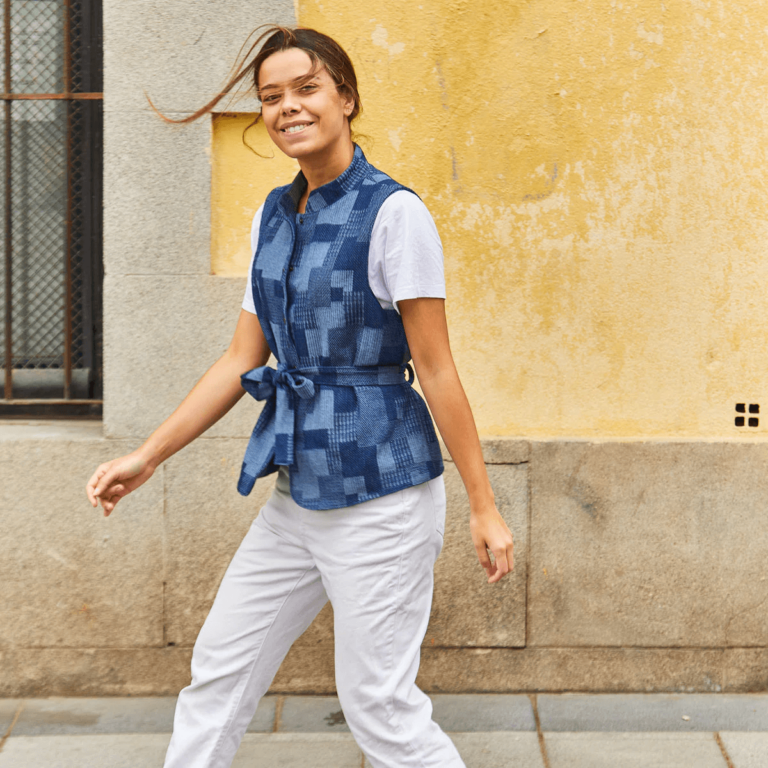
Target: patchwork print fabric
<point>340,410</point>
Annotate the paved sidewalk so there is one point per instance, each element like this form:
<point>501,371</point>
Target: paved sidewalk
<point>519,731</point>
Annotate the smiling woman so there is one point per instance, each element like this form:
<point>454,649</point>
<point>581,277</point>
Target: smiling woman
<point>346,287</point>
<point>324,53</point>
<point>307,114</point>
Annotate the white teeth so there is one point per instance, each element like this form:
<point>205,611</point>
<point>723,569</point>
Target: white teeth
<point>297,128</point>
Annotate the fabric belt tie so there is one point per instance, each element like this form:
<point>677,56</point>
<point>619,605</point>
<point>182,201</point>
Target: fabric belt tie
<point>273,436</point>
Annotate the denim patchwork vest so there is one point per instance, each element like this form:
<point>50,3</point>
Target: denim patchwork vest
<point>340,410</point>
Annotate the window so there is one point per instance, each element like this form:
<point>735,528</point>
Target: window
<point>51,207</point>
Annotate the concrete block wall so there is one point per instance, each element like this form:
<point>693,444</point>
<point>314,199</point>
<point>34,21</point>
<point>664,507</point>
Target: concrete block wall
<point>638,563</point>
<point>638,568</point>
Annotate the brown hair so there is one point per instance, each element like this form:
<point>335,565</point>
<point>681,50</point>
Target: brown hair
<point>324,51</point>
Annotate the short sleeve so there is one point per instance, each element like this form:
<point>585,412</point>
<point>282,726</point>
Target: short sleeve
<point>248,303</point>
<point>405,259</point>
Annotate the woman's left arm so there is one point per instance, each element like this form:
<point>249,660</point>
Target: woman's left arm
<point>427,332</point>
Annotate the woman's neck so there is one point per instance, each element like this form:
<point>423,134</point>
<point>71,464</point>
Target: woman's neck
<point>321,170</point>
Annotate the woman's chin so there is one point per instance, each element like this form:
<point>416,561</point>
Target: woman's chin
<point>290,148</point>
<point>300,149</point>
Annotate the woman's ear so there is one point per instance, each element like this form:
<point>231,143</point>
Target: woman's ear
<point>349,102</point>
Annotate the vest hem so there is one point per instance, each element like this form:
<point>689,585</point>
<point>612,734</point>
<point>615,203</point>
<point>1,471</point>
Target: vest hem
<point>314,507</point>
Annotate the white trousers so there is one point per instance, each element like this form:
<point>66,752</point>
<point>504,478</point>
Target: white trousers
<point>374,561</point>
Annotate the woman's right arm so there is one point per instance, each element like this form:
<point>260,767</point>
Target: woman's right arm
<point>215,394</point>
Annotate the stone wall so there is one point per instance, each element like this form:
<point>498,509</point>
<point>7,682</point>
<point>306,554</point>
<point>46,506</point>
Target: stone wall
<point>638,568</point>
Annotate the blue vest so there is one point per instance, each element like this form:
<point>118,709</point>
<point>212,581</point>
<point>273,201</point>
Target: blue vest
<point>340,411</point>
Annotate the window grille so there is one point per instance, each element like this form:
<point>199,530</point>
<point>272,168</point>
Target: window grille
<point>51,203</point>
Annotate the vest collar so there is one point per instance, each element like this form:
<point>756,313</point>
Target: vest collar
<point>329,193</point>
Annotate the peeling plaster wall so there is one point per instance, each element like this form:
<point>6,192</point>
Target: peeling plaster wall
<point>595,171</point>
<point>241,179</point>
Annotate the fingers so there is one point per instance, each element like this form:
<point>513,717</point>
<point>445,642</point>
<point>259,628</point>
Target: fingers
<point>106,480</point>
<point>101,489</point>
<point>502,563</point>
<point>90,488</point>
<point>111,497</point>
<point>502,566</point>
<point>485,559</point>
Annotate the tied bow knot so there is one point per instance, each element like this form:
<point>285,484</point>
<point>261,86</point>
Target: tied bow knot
<point>263,382</point>
<point>272,441</point>
<point>279,387</point>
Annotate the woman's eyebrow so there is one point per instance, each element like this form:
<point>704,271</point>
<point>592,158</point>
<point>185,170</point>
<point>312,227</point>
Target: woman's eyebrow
<point>301,80</point>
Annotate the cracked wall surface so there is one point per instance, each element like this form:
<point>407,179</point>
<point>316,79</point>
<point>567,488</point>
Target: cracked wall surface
<point>595,172</point>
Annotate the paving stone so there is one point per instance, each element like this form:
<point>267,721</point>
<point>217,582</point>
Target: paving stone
<point>654,712</point>
<point>481,750</point>
<point>8,709</point>
<point>312,714</point>
<point>746,750</point>
<point>297,750</point>
<point>501,750</point>
<point>263,720</point>
<point>479,712</point>
<point>148,750</point>
<point>483,712</point>
<point>75,716</point>
<point>634,750</point>
<point>101,751</point>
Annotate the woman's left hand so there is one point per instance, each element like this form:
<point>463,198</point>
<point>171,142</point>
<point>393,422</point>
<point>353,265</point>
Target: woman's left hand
<point>490,532</point>
<point>427,330</point>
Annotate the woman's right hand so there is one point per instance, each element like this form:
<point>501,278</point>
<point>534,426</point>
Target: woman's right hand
<point>212,396</point>
<point>117,478</point>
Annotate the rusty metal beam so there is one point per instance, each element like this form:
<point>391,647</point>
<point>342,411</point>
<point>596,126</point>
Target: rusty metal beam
<point>51,96</point>
<point>68,245</point>
<point>8,220</point>
<point>49,401</point>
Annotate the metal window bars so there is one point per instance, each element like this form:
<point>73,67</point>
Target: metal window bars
<point>50,339</point>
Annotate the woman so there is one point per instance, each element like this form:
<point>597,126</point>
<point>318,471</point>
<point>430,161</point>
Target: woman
<point>346,286</point>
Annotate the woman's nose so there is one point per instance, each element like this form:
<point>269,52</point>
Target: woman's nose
<point>290,104</point>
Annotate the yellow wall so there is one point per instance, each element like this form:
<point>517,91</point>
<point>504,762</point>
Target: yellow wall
<point>240,181</point>
<point>597,173</point>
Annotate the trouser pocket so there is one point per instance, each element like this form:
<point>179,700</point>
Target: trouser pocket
<point>437,493</point>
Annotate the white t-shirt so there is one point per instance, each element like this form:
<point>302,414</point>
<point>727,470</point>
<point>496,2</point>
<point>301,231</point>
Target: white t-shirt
<point>405,259</point>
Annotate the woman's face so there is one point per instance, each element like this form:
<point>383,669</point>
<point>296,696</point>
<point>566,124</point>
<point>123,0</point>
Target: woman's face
<point>304,117</point>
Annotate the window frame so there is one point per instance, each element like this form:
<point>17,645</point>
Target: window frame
<point>88,88</point>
